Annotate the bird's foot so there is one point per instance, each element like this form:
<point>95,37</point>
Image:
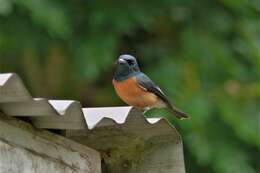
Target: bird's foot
<point>145,110</point>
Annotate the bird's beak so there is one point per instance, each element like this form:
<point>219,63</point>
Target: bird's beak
<point>121,61</point>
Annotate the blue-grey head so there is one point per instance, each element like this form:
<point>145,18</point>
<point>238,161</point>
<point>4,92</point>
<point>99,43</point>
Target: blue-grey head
<point>127,67</point>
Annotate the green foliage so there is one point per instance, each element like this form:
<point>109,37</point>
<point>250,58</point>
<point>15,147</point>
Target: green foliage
<point>204,54</point>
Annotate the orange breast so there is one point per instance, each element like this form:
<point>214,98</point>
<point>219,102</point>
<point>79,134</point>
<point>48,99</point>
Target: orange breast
<point>130,92</point>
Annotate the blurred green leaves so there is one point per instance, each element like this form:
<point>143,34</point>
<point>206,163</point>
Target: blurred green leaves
<point>6,7</point>
<point>48,14</point>
<point>205,55</point>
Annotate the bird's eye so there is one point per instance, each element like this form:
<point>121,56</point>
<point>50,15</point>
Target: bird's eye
<point>130,62</point>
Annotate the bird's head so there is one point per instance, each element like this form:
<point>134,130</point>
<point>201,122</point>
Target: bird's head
<point>127,66</point>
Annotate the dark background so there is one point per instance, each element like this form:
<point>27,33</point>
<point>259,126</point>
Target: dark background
<point>205,54</point>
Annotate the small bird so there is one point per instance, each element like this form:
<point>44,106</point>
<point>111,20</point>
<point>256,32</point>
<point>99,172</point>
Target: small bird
<point>138,90</point>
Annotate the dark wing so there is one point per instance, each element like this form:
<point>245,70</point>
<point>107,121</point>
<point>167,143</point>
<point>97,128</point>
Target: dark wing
<point>146,83</point>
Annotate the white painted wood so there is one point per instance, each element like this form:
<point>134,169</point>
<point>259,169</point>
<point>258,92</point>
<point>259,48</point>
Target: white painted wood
<point>153,120</point>
<point>70,117</point>
<point>4,78</point>
<point>94,115</point>
<point>12,89</point>
<point>61,106</point>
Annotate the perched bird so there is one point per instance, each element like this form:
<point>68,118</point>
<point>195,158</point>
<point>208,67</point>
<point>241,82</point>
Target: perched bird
<point>138,90</point>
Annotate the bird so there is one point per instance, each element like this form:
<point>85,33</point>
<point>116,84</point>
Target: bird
<point>136,89</point>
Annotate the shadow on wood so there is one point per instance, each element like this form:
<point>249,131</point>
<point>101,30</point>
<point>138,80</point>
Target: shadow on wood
<point>135,146</point>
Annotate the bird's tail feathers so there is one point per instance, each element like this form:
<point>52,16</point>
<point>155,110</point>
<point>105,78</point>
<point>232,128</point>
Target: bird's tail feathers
<point>179,114</point>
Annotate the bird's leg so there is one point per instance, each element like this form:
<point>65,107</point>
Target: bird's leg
<point>146,109</point>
